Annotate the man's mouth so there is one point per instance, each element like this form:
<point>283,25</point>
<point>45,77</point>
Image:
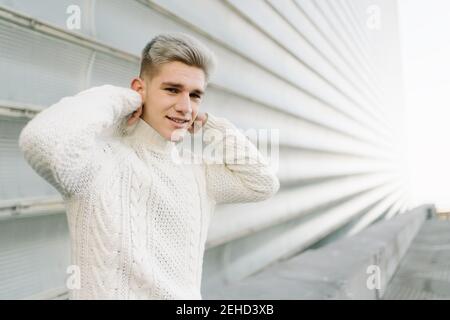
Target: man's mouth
<point>177,120</point>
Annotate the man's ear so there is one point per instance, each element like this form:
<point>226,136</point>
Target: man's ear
<point>138,85</point>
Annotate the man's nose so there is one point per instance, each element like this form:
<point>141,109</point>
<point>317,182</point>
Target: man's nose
<point>184,104</point>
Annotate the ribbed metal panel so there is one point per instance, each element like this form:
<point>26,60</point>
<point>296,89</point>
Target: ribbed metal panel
<point>311,69</point>
<point>33,255</point>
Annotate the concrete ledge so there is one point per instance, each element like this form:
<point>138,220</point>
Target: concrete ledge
<point>340,270</point>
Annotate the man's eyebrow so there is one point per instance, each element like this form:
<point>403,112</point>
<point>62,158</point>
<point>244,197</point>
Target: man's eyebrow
<point>180,86</point>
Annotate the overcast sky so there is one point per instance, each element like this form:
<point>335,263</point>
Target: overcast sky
<point>425,38</point>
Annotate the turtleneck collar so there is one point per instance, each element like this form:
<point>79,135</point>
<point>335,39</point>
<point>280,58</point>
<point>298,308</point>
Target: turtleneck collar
<point>145,136</point>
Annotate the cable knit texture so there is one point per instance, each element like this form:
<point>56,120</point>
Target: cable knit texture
<point>138,220</point>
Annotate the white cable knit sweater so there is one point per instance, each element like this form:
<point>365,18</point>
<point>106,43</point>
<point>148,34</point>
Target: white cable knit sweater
<point>138,220</point>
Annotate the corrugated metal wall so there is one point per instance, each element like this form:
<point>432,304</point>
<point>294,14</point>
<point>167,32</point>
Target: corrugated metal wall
<point>324,72</point>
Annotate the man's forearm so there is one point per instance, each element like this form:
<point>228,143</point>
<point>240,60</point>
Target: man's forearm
<point>60,141</point>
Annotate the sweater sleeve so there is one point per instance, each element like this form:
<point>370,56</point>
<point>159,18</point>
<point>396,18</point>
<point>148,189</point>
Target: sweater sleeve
<point>242,174</point>
<point>61,142</point>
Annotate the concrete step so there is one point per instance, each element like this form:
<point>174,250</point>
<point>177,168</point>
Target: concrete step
<point>357,267</point>
<point>424,272</point>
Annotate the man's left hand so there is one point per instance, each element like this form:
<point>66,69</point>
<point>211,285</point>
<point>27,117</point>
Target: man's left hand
<point>199,122</point>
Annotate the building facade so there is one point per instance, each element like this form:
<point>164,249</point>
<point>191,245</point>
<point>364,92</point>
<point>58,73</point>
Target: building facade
<point>324,73</point>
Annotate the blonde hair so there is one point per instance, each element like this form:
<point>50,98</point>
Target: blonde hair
<point>180,47</point>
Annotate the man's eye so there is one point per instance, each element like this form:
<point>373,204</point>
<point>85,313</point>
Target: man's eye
<point>195,96</point>
<point>172,90</point>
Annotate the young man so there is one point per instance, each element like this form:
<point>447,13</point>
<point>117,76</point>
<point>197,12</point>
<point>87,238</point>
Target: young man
<point>138,220</point>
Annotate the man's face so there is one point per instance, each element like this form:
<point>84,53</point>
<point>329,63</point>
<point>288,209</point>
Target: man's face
<point>173,94</point>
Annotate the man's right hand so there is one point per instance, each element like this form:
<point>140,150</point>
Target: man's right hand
<point>134,117</point>
<point>107,93</point>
